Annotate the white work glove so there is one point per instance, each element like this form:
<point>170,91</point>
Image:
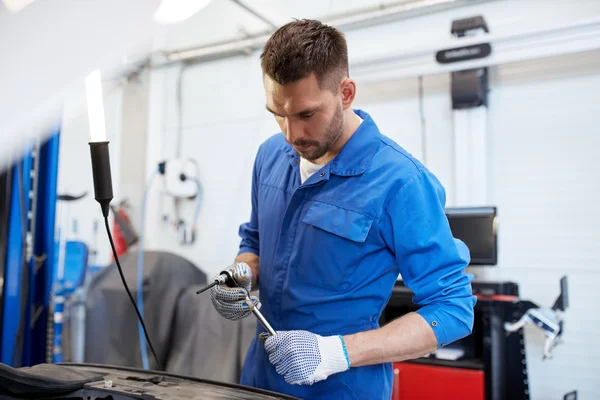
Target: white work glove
<point>304,358</point>
<point>232,302</point>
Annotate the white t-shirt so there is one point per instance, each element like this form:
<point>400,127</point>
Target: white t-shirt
<point>308,168</point>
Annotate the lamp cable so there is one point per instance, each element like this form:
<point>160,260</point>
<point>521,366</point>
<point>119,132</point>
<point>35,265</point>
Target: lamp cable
<point>112,245</point>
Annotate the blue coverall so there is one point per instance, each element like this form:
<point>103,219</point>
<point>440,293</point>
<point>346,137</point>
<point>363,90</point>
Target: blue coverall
<point>331,250</point>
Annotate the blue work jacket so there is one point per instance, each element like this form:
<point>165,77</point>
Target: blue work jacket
<point>331,250</point>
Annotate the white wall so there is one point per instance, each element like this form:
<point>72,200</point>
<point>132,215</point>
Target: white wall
<point>545,183</point>
<point>542,123</point>
<point>223,97</point>
<point>544,180</point>
<point>133,141</point>
<point>224,121</point>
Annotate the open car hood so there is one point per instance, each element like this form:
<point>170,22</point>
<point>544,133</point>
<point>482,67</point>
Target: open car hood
<point>96,382</point>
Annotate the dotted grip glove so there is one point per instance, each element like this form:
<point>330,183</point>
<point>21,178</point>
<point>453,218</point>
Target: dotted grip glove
<point>232,302</point>
<point>303,358</point>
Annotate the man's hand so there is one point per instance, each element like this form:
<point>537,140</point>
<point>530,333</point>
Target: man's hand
<point>232,302</point>
<point>304,358</point>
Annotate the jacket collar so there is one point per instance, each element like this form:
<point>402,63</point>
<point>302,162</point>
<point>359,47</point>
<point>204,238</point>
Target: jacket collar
<point>357,153</point>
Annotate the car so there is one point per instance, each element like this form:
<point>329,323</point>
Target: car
<point>105,382</point>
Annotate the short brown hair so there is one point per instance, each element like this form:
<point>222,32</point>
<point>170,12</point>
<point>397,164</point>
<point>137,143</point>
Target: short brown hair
<point>302,47</point>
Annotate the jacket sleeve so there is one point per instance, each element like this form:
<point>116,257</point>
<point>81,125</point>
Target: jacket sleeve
<point>432,262</point>
<point>248,231</point>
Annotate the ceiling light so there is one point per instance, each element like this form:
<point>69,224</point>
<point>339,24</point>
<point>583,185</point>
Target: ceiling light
<point>16,5</point>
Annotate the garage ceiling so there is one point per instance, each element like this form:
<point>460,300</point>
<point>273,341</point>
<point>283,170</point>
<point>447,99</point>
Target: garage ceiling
<point>224,20</point>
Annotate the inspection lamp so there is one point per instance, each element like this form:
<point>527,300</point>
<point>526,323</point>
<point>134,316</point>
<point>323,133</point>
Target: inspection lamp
<point>103,191</point>
<point>98,142</point>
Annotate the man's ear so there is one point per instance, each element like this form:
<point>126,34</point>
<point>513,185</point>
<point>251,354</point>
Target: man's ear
<point>348,92</point>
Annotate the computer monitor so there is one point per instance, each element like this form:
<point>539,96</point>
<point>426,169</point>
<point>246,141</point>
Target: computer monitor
<point>477,227</point>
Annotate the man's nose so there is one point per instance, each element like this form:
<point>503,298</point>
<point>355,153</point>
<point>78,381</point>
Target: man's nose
<point>293,130</point>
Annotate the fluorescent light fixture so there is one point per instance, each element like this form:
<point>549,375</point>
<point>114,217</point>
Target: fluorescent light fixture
<point>173,11</point>
<point>16,5</point>
<point>95,103</point>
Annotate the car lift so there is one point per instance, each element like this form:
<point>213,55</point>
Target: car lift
<point>27,247</point>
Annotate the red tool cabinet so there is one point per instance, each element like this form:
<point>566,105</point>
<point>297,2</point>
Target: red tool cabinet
<point>431,382</point>
<point>493,365</point>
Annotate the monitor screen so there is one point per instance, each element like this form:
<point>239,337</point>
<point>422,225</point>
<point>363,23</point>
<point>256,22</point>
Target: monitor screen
<point>477,228</point>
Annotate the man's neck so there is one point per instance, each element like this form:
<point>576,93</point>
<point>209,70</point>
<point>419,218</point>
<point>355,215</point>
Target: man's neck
<point>351,124</point>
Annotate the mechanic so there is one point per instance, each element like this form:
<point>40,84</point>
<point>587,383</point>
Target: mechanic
<point>338,212</point>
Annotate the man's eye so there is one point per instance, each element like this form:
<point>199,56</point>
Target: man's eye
<point>306,116</point>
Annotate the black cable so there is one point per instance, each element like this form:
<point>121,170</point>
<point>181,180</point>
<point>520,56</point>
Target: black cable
<point>112,245</point>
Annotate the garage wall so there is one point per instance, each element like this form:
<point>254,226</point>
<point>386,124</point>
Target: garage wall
<point>542,121</point>
<point>223,116</point>
<point>546,182</point>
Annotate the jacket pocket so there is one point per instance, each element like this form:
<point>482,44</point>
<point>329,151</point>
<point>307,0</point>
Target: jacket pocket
<point>332,242</point>
<point>339,221</point>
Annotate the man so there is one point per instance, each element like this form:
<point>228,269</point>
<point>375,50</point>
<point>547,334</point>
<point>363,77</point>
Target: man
<point>338,212</point>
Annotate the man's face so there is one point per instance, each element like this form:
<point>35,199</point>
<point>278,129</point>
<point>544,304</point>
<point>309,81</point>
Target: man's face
<point>311,118</point>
